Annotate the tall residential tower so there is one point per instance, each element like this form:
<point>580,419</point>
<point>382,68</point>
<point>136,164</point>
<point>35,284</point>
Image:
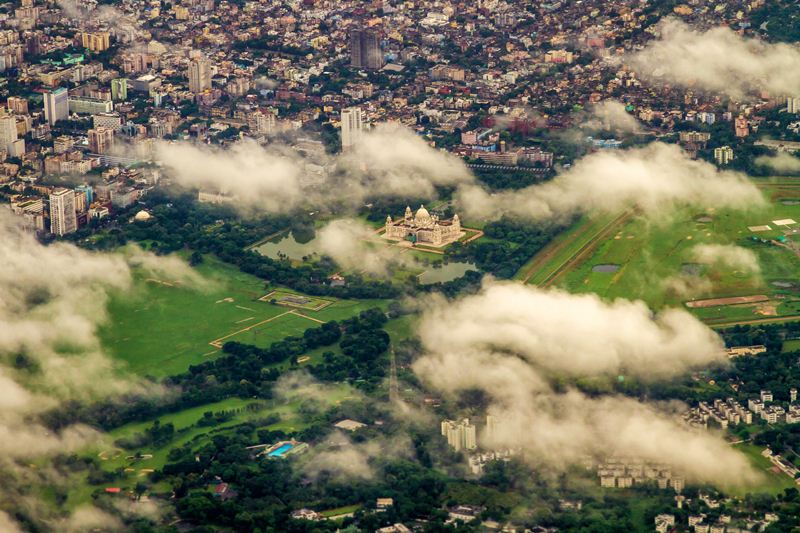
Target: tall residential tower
<point>365,49</point>
<point>63,219</point>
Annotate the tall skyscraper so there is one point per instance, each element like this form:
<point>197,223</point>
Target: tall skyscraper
<point>199,75</point>
<point>119,89</point>
<point>365,49</point>
<point>56,105</point>
<point>352,127</point>
<point>62,212</point>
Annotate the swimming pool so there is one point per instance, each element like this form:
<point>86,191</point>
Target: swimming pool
<point>278,452</point>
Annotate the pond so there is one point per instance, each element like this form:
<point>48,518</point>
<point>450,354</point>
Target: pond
<point>783,284</point>
<point>790,202</point>
<point>446,273</point>
<point>692,269</point>
<point>288,246</point>
<point>607,268</point>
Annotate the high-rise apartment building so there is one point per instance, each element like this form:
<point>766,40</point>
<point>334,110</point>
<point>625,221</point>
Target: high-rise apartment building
<point>460,435</point>
<point>352,127</point>
<point>199,75</point>
<point>264,122</point>
<point>96,41</point>
<point>9,141</point>
<point>101,139</point>
<point>8,130</point>
<point>119,89</point>
<point>723,155</point>
<point>365,49</point>
<point>56,105</point>
<point>63,219</point>
<point>17,105</point>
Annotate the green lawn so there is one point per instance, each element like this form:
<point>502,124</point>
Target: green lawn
<point>773,483</point>
<point>650,252</point>
<point>547,263</point>
<point>160,329</point>
<point>791,345</point>
<point>348,509</point>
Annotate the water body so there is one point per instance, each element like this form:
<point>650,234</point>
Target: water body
<point>446,273</point>
<point>704,219</point>
<point>288,246</point>
<point>783,284</point>
<point>790,202</point>
<point>692,269</point>
<point>606,269</point>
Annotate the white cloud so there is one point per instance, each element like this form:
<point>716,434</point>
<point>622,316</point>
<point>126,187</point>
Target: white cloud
<point>780,163</point>
<point>727,255</point>
<point>718,60</point>
<point>655,178</point>
<point>515,342</point>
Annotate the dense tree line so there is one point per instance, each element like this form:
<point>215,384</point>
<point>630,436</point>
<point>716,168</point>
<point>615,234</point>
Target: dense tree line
<point>363,347</point>
<point>510,244</point>
<point>497,179</point>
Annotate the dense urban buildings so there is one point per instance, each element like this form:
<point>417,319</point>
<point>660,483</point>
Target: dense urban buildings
<point>268,266</point>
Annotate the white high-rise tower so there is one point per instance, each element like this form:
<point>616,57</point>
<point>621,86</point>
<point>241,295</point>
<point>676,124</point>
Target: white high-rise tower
<point>63,219</point>
<point>352,127</point>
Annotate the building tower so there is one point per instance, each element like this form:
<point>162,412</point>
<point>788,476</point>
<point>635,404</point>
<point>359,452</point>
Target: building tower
<point>352,127</point>
<point>9,141</point>
<point>365,49</point>
<point>199,75</point>
<point>56,105</point>
<point>101,139</point>
<point>119,89</point>
<point>8,130</point>
<point>460,436</point>
<point>62,212</point>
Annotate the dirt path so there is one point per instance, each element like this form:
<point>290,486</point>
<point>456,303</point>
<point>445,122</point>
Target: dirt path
<point>768,320</point>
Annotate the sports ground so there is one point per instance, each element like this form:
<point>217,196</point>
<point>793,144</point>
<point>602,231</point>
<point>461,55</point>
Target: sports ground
<point>161,328</point>
<point>625,255</point>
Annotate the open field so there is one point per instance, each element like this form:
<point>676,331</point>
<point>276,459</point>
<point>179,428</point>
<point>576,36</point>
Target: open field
<point>791,345</point>
<point>635,257</point>
<point>546,267</point>
<point>774,482</point>
<point>160,328</point>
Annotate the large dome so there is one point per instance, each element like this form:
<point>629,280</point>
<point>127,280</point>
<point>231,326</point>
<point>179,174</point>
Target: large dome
<point>422,213</point>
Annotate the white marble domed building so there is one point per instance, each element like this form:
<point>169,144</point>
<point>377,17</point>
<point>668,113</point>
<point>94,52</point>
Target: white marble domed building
<point>423,228</point>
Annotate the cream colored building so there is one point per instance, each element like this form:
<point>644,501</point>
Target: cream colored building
<point>460,435</point>
<point>423,228</point>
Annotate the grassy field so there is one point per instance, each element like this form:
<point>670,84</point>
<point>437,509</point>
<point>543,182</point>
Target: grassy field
<point>160,328</point>
<point>773,482</point>
<point>653,261</point>
<point>546,266</point>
